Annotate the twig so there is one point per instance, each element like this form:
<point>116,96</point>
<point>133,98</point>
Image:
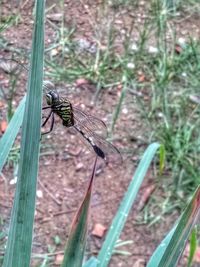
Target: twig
<point>49,193</point>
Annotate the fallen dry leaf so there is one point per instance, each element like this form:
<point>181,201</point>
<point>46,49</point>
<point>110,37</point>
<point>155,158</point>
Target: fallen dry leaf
<point>145,196</point>
<point>1,104</point>
<point>178,49</point>
<point>81,81</point>
<point>56,17</point>
<point>59,259</point>
<point>3,126</point>
<point>141,78</point>
<point>119,87</point>
<point>98,230</point>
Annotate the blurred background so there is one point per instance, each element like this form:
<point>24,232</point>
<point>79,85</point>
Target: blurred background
<point>135,65</point>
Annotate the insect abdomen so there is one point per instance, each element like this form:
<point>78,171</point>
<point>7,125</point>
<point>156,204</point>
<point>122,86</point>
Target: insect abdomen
<point>96,149</point>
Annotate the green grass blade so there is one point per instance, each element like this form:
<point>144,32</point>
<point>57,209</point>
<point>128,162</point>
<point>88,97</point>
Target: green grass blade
<point>124,209</point>
<point>182,233</point>
<point>157,255</point>
<point>193,247</point>
<point>7,140</point>
<point>118,108</point>
<point>171,248</point>
<point>162,158</point>
<point>75,249</point>
<point>92,262</point>
<point>18,249</point>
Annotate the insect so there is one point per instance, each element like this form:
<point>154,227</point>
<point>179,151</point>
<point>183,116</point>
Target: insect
<point>86,125</point>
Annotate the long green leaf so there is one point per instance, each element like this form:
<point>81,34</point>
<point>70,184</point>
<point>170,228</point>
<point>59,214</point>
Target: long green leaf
<point>75,249</point>
<point>92,262</point>
<point>160,250</point>
<point>18,249</point>
<point>7,140</point>
<point>171,248</point>
<point>193,247</point>
<point>124,209</point>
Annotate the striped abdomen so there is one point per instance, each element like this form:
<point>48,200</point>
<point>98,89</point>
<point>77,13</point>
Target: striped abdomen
<point>65,112</point>
<point>89,139</point>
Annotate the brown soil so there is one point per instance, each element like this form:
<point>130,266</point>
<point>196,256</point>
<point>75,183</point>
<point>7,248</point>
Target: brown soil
<point>66,164</point>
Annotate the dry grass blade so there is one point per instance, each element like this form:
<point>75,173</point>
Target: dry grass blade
<point>77,238</point>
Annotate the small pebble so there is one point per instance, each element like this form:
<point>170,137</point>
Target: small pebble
<point>130,65</point>
<point>39,194</point>
<point>79,166</point>
<point>125,111</point>
<point>134,47</point>
<point>13,181</point>
<point>153,50</point>
<point>181,41</point>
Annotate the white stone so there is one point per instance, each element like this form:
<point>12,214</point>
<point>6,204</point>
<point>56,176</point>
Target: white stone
<point>13,181</point>
<point>134,47</point>
<point>153,50</point>
<point>130,65</point>
<point>39,194</point>
<point>181,41</point>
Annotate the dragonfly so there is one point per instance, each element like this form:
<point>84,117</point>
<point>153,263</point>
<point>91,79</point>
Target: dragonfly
<point>92,130</point>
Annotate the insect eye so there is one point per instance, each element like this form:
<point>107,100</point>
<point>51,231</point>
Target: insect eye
<point>55,96</point>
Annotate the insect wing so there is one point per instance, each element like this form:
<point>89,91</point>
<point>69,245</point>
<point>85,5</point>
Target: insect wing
<point>89,122</point>
<point>99,145</point>
<point>112,154</point>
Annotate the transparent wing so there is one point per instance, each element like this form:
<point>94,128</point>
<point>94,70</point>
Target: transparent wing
<point>92,123</point>
<point>99,145</point>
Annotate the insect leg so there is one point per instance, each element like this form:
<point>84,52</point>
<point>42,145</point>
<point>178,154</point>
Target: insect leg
<point>52,124</point>
<point>46,107</point>
<point>47,118</point>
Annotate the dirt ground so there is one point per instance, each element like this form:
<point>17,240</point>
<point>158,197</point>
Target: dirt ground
<point>66,163</point>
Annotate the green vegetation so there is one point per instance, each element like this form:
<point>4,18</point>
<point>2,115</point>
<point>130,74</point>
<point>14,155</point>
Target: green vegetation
<point>162,71</point>
<point>164,76</point>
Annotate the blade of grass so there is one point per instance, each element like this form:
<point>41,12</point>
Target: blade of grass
<point>92,262</point>
<point>162,158</point>
<point>126,204</point>
<point>18,249</point>
<point>182,232</point>
<point>75,249</point>
<point>158,253</point>
<point>118,108</point>
<point>7,140</point>
<point>193,247</point>
<point>171,248</point>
